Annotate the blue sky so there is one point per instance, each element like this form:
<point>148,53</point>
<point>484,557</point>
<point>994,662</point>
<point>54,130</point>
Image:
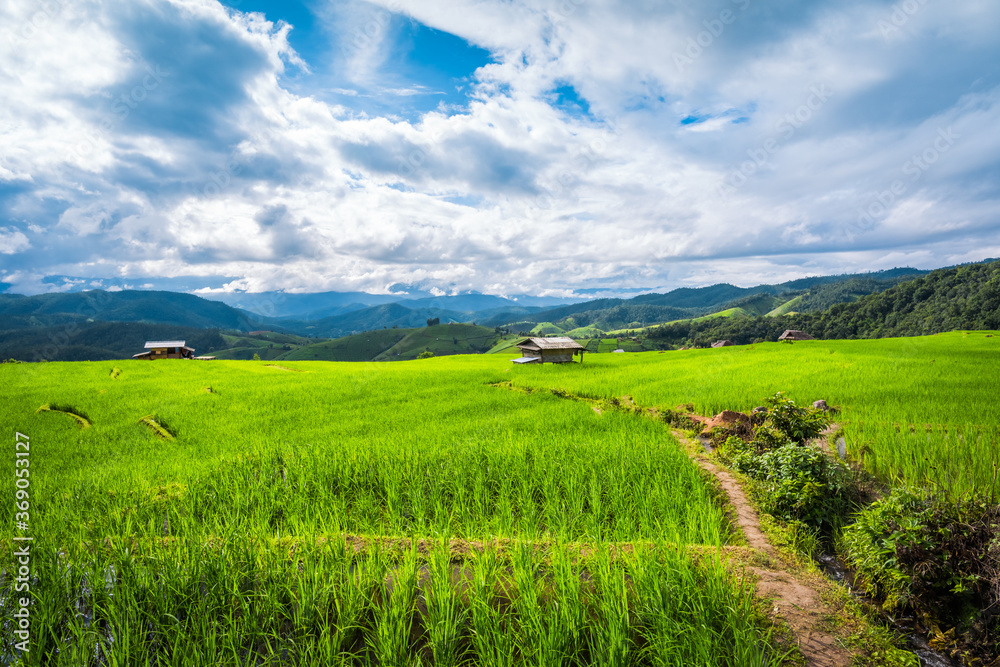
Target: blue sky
<point>505,146</point>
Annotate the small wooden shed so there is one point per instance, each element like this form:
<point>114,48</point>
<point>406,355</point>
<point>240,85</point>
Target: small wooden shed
<point>723,343</point>
<point>555,350</point>
<point>165,349</point>
<point>795,334</point>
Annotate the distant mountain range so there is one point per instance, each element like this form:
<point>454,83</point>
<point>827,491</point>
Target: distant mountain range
<point>319,305</point>
<point>80,320</point>
<point>805,294</point>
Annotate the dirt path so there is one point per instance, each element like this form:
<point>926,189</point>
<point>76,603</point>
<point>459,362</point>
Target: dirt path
<point>792,599</point>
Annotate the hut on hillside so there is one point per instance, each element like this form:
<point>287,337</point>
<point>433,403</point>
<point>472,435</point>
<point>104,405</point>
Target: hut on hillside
<point>723,343</point>
<point>165,349</point>
<point>555,350</point>
<point>795,334</point>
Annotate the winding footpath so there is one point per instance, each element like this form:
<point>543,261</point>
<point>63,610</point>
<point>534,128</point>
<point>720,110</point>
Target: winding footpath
<point>792,599</point>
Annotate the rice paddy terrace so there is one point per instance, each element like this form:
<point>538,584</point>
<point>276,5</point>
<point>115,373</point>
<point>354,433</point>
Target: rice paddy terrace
<point>421,512</point>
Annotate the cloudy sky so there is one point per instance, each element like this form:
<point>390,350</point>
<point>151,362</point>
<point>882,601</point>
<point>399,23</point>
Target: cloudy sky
<point>505,146</point>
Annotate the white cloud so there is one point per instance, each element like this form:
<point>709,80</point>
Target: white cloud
<point>12,241</point>
<point>225,168</point>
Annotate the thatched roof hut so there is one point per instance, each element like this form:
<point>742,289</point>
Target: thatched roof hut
<point>795,334</point>
<point>556,350</point>
<point>165,349</point>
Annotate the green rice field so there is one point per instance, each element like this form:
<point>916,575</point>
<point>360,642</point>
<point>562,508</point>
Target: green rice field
<point>367,513</point>
<point>422,512</point>
<point>921,410</point>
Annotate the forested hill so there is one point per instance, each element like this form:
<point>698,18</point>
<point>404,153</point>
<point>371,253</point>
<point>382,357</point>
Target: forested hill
<point>69,308</point>
<point>802,295</point>
<point>963,297</point>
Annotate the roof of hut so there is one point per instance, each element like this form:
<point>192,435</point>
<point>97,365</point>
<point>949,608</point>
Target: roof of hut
<point>795,334</point>
<point>553,343</point>
<point>151,344</point>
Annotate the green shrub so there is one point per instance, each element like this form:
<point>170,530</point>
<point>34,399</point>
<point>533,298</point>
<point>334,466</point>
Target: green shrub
<point>935,556</point>
<point>799,484</point>
<point>869,544</point>
<point>797,423</point>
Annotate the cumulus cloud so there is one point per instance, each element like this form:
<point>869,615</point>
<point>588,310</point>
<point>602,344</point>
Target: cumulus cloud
<point>604,144</point>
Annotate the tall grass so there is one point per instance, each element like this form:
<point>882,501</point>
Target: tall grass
<point>319,456</point>
<point>328,605</point>
<point>921,409</point>
<point>229,543</point>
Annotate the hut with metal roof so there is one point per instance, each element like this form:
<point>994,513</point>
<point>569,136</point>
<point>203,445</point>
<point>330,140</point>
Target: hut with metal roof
<point>723,343</point>
<point>795,334</point>
<point>555,350</point>
<point>166,349</point>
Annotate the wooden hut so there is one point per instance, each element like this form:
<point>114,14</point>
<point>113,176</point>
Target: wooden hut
<point>722,343</point>
<point>166,349</point>
<point>795,334</point>
<point>555,350</point>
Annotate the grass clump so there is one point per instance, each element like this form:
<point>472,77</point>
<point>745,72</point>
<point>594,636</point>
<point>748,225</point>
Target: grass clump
<point>81,419</point>
<point>158,427</point>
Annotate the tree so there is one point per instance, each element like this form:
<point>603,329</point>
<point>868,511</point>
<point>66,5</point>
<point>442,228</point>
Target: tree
<point>431,321</point>
<point>256,357</point>
<point>426,354</point>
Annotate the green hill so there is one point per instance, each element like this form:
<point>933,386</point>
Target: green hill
<point>787,308</point>
<point>723,300</point>
<point>267,345</point>
<point>99,341</point>
<point>585,332</point>
<point>546,329</point>
<point>960,298</point>
<point>400,344</point>
<point>358,347</point>
<point>174,308</point>
<point>505,346</point>
<point>442,339</point>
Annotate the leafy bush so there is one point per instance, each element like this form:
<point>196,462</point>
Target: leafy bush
<point>799,484</point>
<point>937,557</point>
<point>797,423</point>
<point>796,483</point>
